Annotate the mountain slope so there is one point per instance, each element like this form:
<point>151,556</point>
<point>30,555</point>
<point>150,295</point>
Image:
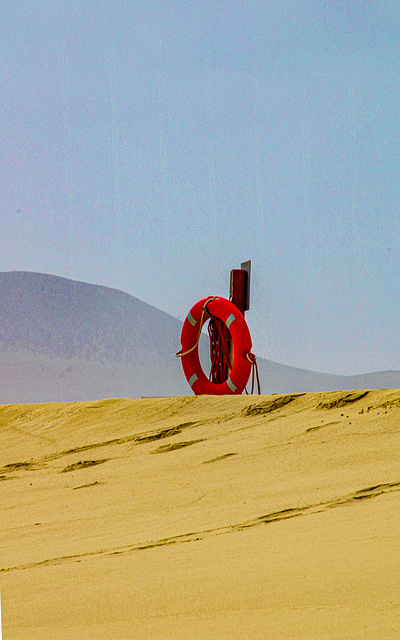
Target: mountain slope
<point>67,340</point>
<point>61,318</point>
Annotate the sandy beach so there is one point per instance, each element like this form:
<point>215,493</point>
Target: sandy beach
<point>202,517</point>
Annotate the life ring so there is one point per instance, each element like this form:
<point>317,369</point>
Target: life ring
<point>241,366</point>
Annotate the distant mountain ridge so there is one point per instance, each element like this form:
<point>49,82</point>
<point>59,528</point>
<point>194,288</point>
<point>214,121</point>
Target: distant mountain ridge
<point>52,316</point>
<point>65,340</point>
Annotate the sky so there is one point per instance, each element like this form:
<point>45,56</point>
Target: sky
<point>153,146</point>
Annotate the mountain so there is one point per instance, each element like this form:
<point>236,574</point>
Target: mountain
<point>63,340</point>
<point>67,340</point>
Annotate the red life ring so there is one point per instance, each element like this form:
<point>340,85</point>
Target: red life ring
<point>234,320</point>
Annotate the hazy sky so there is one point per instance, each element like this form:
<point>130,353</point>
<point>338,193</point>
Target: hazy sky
<point>153,146</point>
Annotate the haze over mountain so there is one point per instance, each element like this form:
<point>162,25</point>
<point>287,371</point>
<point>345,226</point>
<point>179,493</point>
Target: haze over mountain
<point>63,340</point>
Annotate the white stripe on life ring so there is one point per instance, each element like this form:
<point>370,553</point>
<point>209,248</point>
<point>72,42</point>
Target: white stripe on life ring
<point>229,320</point>
<point>191,319</point>
<point>232,386</point>
<point>192,379</point>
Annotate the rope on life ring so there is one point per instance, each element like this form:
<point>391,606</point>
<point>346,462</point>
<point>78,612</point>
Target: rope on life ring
<point>243,360</point>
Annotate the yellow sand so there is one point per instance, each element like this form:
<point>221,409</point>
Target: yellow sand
<point>202,517</point>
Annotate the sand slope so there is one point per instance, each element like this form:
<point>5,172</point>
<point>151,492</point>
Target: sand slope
<point>202,517</point>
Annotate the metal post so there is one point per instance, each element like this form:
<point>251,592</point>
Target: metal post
<point>240,293</point>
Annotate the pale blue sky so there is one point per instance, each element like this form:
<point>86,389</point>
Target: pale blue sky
<point>152,146</point>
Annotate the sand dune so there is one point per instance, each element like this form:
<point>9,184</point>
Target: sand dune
<point>202,517</point>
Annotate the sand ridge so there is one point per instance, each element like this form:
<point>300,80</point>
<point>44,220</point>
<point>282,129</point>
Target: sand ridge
<point>150,498</point>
